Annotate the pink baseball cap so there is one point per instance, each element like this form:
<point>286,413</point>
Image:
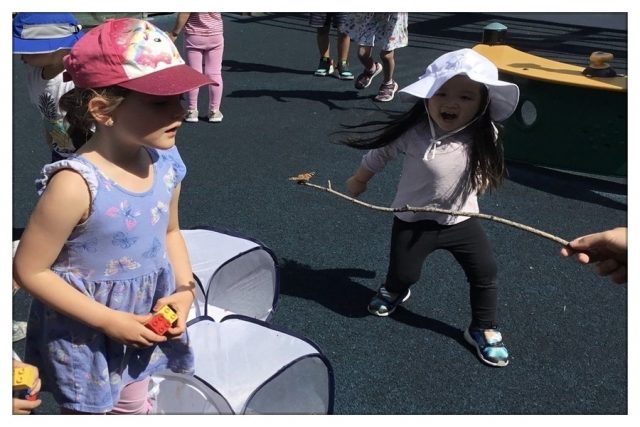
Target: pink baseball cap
<point>133,54</point>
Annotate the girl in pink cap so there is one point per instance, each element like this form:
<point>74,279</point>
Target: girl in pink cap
<point>103,247</point>
<point>452,152</point>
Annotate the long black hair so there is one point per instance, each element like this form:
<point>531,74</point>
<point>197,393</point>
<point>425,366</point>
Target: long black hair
<point>486,164</point>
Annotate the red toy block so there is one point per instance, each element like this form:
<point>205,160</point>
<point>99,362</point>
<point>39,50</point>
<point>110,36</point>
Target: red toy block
<point>158,324</point>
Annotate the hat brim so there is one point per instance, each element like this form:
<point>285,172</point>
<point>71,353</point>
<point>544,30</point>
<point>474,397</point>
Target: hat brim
<point>35,46</point>
<point>504,96</point>
<point>169,81</point>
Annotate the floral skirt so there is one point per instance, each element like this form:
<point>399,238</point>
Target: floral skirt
<point>388,30</point>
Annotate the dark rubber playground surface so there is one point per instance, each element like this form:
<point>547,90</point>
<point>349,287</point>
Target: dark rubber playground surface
<point>566,328</point>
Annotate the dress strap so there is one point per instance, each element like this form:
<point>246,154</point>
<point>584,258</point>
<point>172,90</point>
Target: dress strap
<point>85,170</point>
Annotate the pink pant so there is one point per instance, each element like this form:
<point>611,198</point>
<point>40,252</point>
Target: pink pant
<point>204,54</point>
<point>134,399</point>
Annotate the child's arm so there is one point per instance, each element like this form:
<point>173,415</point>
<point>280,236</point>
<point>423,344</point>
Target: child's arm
<point>357,184</point>
<point>181,20</point>
<point>63,205</point>
<point>182,299</point>
<point>373,162</point>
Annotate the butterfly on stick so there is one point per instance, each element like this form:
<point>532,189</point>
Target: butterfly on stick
<point>302,178</point>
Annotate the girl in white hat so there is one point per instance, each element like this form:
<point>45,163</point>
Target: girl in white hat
<point>452,152</point>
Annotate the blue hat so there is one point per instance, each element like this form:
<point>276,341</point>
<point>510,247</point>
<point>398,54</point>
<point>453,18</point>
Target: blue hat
<point>44,32</point>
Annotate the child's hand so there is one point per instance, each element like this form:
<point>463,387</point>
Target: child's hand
<point>24,406</point>
<point>129,329</point>
<point>180,302</point>
<point>356,187</point>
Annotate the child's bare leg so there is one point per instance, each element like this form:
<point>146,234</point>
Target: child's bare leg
<point>364,55</point>
<point>388,64</point>
<point>343,46</point>
<point>322,38</point>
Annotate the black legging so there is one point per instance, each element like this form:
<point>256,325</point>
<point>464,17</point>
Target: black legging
<point>412,242</point>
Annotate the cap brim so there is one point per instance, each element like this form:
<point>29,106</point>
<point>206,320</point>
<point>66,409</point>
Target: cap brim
<point>418,89</point>
<point>169,81</point>
<point>504,100</point>
<point>504,96</point>
<point>34,46</point>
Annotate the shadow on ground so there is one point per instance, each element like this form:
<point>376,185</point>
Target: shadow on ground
<point>337,290</point>
<point>570,185</point>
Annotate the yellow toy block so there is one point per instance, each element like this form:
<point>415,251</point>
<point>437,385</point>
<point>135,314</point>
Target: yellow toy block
<point>24,377</point>
<point>166,312</point>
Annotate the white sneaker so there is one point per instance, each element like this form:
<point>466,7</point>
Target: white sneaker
<point>191,116</point>
<point>215,116</point>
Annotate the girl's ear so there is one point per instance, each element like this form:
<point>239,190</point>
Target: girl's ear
<point>99,108</point>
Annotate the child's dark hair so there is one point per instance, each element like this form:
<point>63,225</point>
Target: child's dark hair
<point>486,157</point>
<point>75,103</point>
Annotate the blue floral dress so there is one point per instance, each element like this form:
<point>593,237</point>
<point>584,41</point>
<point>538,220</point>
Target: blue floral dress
<point>118,258</point>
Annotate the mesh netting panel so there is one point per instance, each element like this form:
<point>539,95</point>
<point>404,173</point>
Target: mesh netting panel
<point>237,275</point>
<point>302,388</point>
<point>185,394</point>
<point>238,356</point>
<point>245,285</point>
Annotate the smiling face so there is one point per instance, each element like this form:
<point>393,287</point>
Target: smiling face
<point>148,120</point>
<point>456,103</point>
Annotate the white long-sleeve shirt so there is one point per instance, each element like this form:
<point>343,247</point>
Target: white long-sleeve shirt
<point>432,174</point>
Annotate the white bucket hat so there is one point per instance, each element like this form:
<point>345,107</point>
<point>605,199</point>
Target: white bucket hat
<point>503,95</point>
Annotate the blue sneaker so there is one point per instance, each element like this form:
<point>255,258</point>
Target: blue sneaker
<point>384,303</point>
<point>489,346</point>
<point>343,71</point>
<point>325,67</point>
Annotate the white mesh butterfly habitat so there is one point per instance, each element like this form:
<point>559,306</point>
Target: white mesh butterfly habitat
<point>243,363</point>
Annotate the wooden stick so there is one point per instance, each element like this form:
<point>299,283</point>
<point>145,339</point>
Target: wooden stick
<point>408,208</point>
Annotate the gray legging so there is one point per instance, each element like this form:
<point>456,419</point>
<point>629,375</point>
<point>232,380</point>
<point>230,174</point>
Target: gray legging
<point>412,242</point>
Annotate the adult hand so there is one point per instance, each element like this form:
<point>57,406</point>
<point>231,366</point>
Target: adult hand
<point>607,249</point>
